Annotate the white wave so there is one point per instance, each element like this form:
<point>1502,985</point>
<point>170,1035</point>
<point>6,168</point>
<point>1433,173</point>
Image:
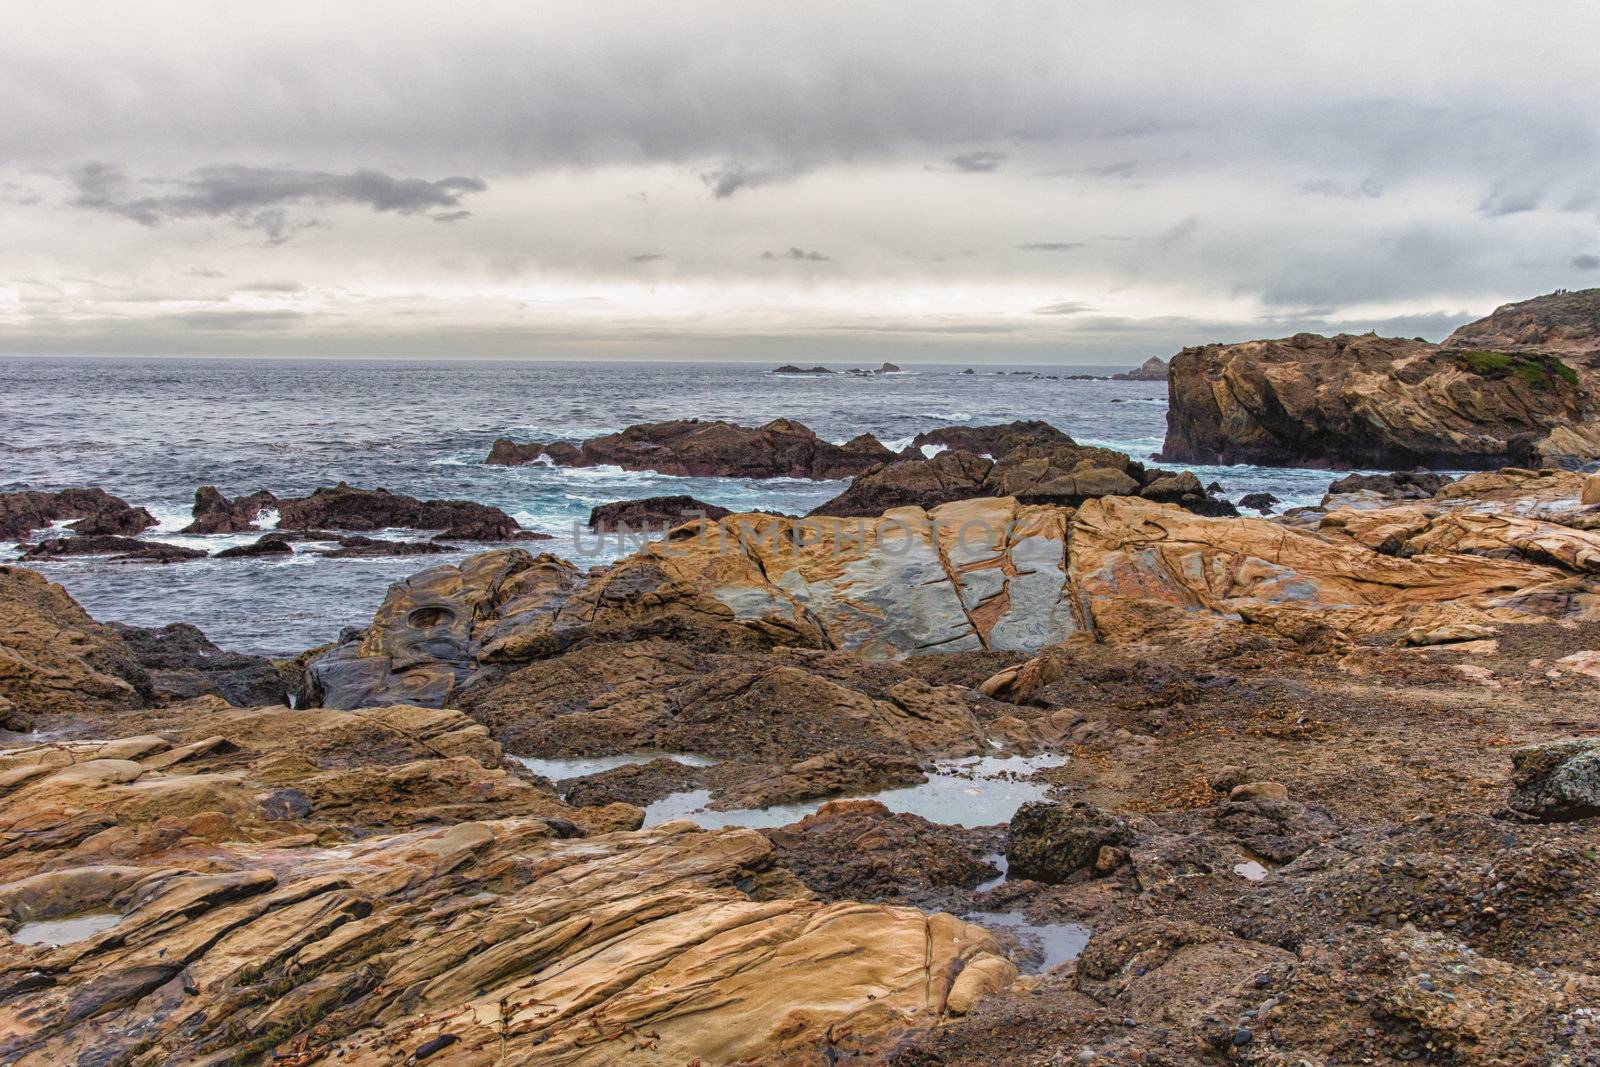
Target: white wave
<point>933,450</point>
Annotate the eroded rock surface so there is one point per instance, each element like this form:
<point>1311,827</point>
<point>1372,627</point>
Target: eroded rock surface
<point>94,511</point>
<point>1369,401</point>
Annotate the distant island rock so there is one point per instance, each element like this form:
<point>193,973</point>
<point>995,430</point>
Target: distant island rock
<point>1520,387</point>
<point>1153,369</point>
<point>790,368</point>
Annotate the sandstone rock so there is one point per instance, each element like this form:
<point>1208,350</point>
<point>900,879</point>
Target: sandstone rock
<point>1375,402</point>
<point>1022,682</point>
<point>1249,791</point>
<point>425,890</point>
<point>123,549</point>
<point>653,513</point>
<point>1446,635</point>
<point>1591,490</point>
<point>55,661</point>
<point>1051,842</point>
<point>1556,781</point>
<point>95,511</point>
<point>1562,323</point>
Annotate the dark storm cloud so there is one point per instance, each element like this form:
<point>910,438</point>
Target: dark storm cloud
<point>1586,262</point>
<point>978,162</point>
<point>1050,246</point>
<point>1066,307</point>
<point>254,198</point>
<point>797,253</point>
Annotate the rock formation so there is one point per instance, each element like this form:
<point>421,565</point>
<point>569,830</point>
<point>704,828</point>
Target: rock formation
<point>348,508</point>
<point>1032,461</point>
<point>1563,324</point>
<point>782,448</point>
<point>1379,402</point>
<point>653,513</point>
<point>94,511</point>
<point>123,549</point>
<point>1153,369</point>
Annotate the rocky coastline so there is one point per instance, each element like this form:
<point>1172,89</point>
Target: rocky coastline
<point>1048,764</point>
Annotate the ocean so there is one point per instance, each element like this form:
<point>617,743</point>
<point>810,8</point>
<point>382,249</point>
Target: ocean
<point>153,430</point>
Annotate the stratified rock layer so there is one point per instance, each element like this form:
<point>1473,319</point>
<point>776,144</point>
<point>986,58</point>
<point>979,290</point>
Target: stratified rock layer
<point>1370,401</point>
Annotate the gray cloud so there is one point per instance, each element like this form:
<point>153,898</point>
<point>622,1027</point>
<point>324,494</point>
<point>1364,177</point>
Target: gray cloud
<point>1586,262</point>
<point>646,257</point>
<point>1126,169</point>
<point>1509,201</point>
<point>1050,246</point>
<point>1066,307</point>
<point>728,178</point>
<point>253,198</point>
<point>978,162</point>
<point>797,253</point>
<point>1365,189</point>
<point>1178,232</point>
<point>270,287</point>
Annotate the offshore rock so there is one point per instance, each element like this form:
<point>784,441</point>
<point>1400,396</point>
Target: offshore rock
<point>653,513</point>
<point>95,511</point>
<point>122,549</point>
<point>347,508</point>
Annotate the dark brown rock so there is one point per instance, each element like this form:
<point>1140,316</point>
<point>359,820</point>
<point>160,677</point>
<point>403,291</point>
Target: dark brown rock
<point>358,547</point>
<point>270,545</point>
<point>346,507</point>
<point>1052,842</point>
<point>120,548</point>
<point>653,513</point>
<point>183,663</point>
<point>215,513</point>
<point>96,512</point>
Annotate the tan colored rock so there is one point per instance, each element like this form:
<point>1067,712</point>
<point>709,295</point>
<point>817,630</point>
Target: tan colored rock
<point>1591,490</point>
<point>982,976</point>
<point>1258,791</point>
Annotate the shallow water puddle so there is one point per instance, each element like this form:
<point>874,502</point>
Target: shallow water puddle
<point>1057,942</point>
<point>969,792</point>
<point>67,930</point>
<point>560,767</point>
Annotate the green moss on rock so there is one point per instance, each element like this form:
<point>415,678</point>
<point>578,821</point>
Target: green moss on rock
<point>1538,370</point>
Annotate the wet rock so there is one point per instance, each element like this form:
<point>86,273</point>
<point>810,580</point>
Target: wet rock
<point>1556,781</point>
<point>632,783</point>
<point>1050,842</point>
<point>270,545</point>
<point>183,663</point>
<point>358,547</point>
<point>653,513</point>
<point>123,549</point>
<point>216,514</point>
<point>1262,502</point>
<point>345,507</point>
<point>95,511</point>
<point>790,368</point>
<point>508,453</point>
<point>1419,484</point>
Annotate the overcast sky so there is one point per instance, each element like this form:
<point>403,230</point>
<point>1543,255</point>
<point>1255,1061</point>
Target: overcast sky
<point>1040,182</point>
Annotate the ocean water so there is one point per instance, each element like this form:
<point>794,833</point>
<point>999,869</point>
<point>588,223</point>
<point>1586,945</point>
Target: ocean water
<point>153,430</point>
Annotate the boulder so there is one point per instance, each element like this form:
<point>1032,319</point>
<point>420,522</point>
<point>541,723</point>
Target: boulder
<point>270,545</point>
<point>358,547</point>
<point>508,453</point>
<point>345,507</point>
<point>653,513</point>
<point>1369,401</point>
<point>1262,502</point>
<point>1591,490</point>
<point>1051,842</point>
<point>95,511</point>
<point>1556,781</point>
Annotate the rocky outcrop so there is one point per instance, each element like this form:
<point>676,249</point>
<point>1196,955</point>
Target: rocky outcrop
<point>376,888</point>
<point>782,448</point>
<point>829,774</point>
<point>1053,842</point>
<point>95,511</point>
<point>653,513</point>
<point>981,574</point>
<point>122,549</point>
<point>1563,323</point>
<point>183,663</point>
<point>215,513</point>
<point>790,368</point>
<point>55,661</point>
<point>1370,401</point>
<point>1031,461</point>
<point>1153,369</point>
